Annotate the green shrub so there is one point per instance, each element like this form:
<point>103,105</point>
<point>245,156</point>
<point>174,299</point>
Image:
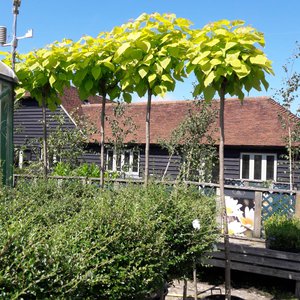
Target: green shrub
<point>79,242</point>
<point>283,233</point>
<point>87,170</point>
<point>62,169</point>
<point>83,170</point>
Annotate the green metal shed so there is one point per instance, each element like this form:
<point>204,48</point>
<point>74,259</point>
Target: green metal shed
<point>7,81</point>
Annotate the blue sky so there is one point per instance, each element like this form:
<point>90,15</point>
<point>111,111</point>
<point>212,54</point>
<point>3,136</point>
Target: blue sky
<point>54,20</point>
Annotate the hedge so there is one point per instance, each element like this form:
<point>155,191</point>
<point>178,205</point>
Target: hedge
<point>77,241</point>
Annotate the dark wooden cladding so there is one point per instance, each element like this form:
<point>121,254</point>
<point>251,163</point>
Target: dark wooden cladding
<point>158,163</point>
<point>283,173</point>
<point>91,158</point>
<point>232,168</point>
<point>28,121</point>
<point>28,125</point>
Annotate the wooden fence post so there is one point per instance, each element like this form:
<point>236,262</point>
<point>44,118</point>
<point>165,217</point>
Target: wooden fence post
<point>257,215</point>
<point>297,205</point>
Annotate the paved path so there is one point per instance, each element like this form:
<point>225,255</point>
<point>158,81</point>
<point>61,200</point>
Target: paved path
<point>175,291</point>
<point>204,289</point>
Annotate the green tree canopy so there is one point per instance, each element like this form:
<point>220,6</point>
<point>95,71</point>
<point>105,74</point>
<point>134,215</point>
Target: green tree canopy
<point>152,54</point>
<point>43,73</point>
<point>93,67</point>
<point>226,51</point>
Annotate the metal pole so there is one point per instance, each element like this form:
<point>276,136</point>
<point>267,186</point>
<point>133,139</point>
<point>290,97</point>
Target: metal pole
<point>14,43</point>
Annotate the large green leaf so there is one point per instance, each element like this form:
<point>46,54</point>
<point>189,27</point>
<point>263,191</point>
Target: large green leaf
<point>165,62</point>
<point>151,78</point>
<point>96,72</point>
<point>79,76</point>
<point>167,78</point>
<point>159,90</point>
<point>52,80</point>
<point>88,85</point>
<point>143,71</point>
<point>210,78</point>
<point>127,97</point>
<point>122,49</point>
<point>144,45</point>
<point>141,89</point>
<point>259,60</point>
<point>209,93</point>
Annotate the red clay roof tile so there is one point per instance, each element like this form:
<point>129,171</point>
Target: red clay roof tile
<point>254,122</point>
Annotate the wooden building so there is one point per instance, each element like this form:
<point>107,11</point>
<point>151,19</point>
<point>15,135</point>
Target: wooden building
<point>255,146</point>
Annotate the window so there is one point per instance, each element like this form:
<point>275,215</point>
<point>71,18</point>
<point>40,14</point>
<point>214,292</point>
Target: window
<point>24,158</point>
<point>258,166</point>
<point>126,161</point>
<point>110,160</point>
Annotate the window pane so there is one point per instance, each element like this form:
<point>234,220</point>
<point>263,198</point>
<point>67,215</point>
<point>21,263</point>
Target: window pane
<point>110,157</point>
<point>135,161</point>
<point>257,166</point>
<point>126,158</point>
<point>270,167</point>
<point>245,166</point>
<point>118,162</point>
<point>27,155</point>
<point>126,161</point>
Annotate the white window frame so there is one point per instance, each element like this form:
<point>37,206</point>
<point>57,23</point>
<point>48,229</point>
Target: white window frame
<point>114,165</point>
<point>263,165</point>
<point>21,158</point>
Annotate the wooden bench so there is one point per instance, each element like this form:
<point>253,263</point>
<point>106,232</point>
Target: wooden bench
<point>260,261</point>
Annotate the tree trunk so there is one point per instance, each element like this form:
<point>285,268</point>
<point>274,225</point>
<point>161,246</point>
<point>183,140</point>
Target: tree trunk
<point>184,296</point>
<point>147,137</point>
<point>45,146</point>
<point>102,140</point>
<point>222,193</point>
<point>195,279</point>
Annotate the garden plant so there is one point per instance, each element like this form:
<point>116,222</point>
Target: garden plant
<point>79,242</point>
<point>283,233</point>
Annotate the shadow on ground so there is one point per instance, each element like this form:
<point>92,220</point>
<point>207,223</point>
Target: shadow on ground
<point>280,289</point>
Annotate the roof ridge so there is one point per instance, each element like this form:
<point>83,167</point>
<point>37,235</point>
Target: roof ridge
<point>182,101</point>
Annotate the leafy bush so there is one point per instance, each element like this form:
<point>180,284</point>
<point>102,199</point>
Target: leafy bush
<point>84,170</point>
<point>80,242</point>
<point>62,169</point>
<point>87,170</point>
<point>283,233</point>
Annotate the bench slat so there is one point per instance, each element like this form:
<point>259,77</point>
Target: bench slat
<point>262,252</point>
<point>259,260</point>
<point>255,269</point>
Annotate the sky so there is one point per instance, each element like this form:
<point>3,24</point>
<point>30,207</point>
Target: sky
<point>57,19</point>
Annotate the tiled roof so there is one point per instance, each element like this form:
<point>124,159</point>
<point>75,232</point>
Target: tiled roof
<point>70,100</point>
<point>254,122</point>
